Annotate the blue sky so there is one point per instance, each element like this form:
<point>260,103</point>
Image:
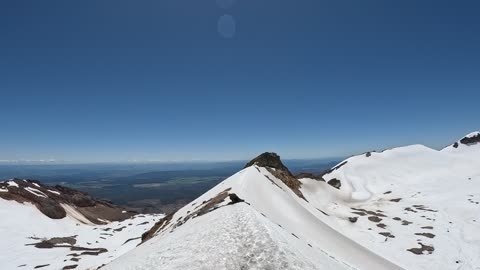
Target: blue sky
<point>121,80</point>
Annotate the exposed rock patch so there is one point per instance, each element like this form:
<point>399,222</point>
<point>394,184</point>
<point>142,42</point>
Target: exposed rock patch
<point>381,225</point>
<point>335,183</point>
<point>387,234</point>
<point>353,219</point>
<point>335,168</point>
<point>49,201</point>
<point>374,219</point>
<point>309,176</point>
<point>428,235</point>
<point>422,250</point>
<point>471,139</point>
<point>268,160</point>
<point>272,162</point>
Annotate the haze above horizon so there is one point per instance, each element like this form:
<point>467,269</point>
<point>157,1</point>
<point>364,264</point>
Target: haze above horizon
<point>115,81</point>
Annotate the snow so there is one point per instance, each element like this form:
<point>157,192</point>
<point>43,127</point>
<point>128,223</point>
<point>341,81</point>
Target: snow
<point>414,192</point>
<point>270,241</point>
<point>53,191</point>
<point>36,192</point>
<point>398,198</point>
<point>21,222</point>
<point>446,182</point>
<point>103,220</point>
<point>473,134</point>
<point>73,213</point>
<point>12,184</point>
<point>3,190</point>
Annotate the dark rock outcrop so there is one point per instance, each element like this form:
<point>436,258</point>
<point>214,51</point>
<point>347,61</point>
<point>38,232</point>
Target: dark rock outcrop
<point>49,200</point>
<point>471,139</point>
<point>335,183</point>
<point>271,161</point>
<point>268,159</point>
<point>353,219</point>
<point>310,176</point>
<point>334,168</point>
<point>234,198</point>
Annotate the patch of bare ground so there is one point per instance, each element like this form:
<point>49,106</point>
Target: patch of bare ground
<point>49,200</point>
<point>273,182</point>
<point>374,219</point>
<point>120,229</point>
<point>162,223</point>
<point>410,210</point>
<point>396,200</point>
<point>335,183</point>
<point>143,223</point>
<point>397,218</point>
<point>68,267</point>
<point>369,212</point>
<point>131,239</point>
<point>288,179</point>
<point>41,266</point>
<point>427,227</point>
<point>406,223</point>
<point>323,212</point>
<point>55,242</point>
<point>309,176</point>
<point>381,225</point>
<point>429,235</point>
<point>424,208</point>
<point>335,168</point>
<point>422,250</point>
<point>272,162</point>
<point>95,250</point>
<point>387,234</point>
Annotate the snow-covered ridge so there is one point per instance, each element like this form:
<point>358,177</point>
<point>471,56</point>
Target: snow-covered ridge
<point>404,208</point>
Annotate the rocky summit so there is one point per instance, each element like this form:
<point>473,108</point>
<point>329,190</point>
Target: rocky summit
<point>268,160</point>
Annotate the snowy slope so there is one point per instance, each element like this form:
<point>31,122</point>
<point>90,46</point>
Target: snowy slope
<point>387,204</point>
<point>29,239</point>
<point>275,230</point>
<point>427,198</point>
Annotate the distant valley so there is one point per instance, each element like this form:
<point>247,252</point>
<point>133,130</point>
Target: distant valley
<point>149,187</point>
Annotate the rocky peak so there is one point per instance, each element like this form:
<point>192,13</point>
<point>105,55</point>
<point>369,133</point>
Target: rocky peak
<point>271,161</point>
<point>472,138</point>
<point>268,160</point>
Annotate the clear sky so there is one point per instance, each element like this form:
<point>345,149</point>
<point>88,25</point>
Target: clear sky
<point>118,80</point>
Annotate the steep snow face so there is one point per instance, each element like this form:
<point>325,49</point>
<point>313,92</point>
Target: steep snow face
<point>272,228</point>
<point>30,239</point>
<point>416,206</point>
